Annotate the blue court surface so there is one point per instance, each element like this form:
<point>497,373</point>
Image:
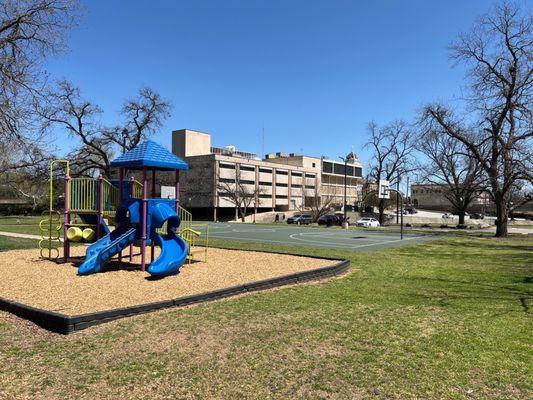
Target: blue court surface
<point>357,239</point>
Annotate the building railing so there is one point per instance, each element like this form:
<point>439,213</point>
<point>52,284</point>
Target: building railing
<point>227,152</point>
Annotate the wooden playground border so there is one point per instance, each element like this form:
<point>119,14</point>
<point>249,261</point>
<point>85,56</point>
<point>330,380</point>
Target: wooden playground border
<point>65,324</point>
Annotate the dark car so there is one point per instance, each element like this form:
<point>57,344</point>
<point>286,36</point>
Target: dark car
<point>477,216</point>
<point>330,220</point>
<point>410,209</point>
<point>301,219</point>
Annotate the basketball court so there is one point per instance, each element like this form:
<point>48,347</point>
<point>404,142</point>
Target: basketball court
<point>357,239</point>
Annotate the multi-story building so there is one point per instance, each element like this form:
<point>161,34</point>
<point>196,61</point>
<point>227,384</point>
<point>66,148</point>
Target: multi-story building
<point>432,197</point>
<point>280,182</point>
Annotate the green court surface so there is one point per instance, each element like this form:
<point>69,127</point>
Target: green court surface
<point>356,239</point>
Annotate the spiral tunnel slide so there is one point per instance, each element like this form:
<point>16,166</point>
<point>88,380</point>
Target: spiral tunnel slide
<point>173,248</point>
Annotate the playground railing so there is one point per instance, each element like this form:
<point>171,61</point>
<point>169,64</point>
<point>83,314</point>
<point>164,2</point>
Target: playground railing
<point>83,195</point>
<point>110,197</point>
<point>137,190</point>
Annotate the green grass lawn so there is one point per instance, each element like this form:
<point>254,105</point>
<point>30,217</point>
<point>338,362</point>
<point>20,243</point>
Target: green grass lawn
<point>20,224</point>
<point>8,243</point>
<point>447,319</point>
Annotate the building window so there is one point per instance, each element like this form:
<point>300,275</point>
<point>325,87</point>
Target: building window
<point>296,186</point>
<point>350,170</point>
<point>281,197</point>
<point>309,186</point>
<point>227,180</point>
<point>281,184</point>
<point>265,196</point>
<point>310,176</point>
<point>338,169</point>
<point>358,172</point>
<point>278,172</point>
<point>265,183</point>
<point>294,173</point>
<point>247,168</point>
<point>314,165</point>
<point>327,167</point>
<point>265,170</point>
<point>227,166</point>
<point>246,182</point>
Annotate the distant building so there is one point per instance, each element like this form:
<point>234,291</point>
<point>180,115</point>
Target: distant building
<point>432,197</point>
<point>286,181</point>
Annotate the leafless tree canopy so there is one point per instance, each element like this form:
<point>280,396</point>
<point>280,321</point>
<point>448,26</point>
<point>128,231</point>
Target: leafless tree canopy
<point>243,196</point>
<point>67,109</point>
<point>450,166</point>
<point>392,148</point>
<point>317,202</point>
<point>30,30</point>
<point>143,115</point>
<point>498,131</point>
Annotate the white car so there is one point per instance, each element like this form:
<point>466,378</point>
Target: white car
<point>368,222</point>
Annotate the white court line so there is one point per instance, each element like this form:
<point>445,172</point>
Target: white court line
<point>346,236</point>
<point>320,244</point>
<point>345,245</point>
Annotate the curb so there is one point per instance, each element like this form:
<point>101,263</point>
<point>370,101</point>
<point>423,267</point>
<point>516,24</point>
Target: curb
<point>65,324</point>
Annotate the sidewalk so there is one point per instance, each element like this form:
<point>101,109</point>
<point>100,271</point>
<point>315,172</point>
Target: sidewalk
<point>20,235</point>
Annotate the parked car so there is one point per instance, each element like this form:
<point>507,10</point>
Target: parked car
<point>410,209</point>
<point>368,222</point>
<point>302,219</point>
<point>330,219</point>
<point>447,215</point>
<point>477,216</point>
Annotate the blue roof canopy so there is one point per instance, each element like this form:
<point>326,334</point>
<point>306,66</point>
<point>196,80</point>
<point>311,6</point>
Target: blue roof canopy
<point>151,155</point>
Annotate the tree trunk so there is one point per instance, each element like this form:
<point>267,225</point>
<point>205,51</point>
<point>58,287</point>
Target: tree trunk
<point>501,215</point>
<point>381,208</point>
<point>462,217</point>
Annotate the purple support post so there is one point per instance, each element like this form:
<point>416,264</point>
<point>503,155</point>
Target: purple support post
<point>100,200</point>
<point>120,178</point>
<point>132,182</point>
<point>177,195</point>
<point>143,219</point>
<point>66,244</point>
<point>152,250</point>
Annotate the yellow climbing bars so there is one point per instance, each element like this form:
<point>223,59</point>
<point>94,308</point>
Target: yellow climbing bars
<point>50,226</point>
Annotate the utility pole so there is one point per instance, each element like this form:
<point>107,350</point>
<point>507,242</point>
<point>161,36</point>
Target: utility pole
<point>397,198</point>
<point>350,157</point>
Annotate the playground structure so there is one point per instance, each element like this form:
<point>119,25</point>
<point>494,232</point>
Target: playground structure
<point>90,205</point>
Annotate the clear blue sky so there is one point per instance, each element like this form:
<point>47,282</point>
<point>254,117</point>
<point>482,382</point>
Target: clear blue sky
<point>313,73</point>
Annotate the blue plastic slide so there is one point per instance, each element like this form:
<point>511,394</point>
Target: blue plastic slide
<point>105,248</point>
<point>173,254</point>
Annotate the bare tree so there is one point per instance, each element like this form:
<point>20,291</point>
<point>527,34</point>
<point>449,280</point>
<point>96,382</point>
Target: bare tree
<point>392,147</point>
<point>239,193</point>
<point>317,201</point>
<point>80,117</point>
<point>451,168</point>
<point>498,55</point>
<point>30,30</point>
<point>66,107</point>
<point>144,114</point>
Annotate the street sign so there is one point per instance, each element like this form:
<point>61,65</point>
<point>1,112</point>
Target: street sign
<point>383,190</point>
